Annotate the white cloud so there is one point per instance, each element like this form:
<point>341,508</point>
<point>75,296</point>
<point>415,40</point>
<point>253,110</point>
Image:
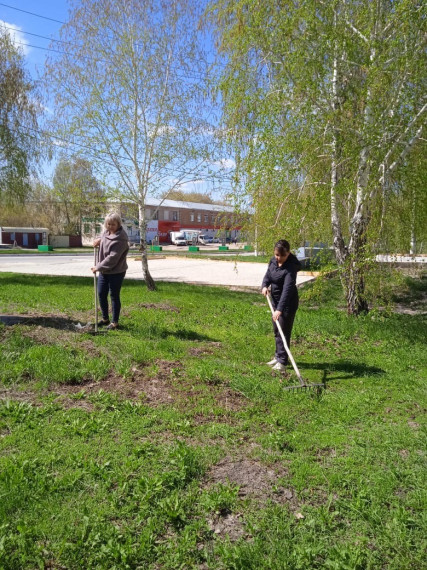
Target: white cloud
<point>16,36</point>
<point>225,163</point>
<point>58,142</point>
<point>162,130</point>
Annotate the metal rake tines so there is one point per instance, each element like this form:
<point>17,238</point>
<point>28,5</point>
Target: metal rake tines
<point>317,387</point>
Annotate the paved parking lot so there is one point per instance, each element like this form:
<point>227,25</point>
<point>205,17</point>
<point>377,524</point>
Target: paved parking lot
<point>179,269</point>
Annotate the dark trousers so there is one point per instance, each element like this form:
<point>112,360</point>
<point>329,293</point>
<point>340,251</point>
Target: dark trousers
<point>286,322</point>
<point>110,283</point>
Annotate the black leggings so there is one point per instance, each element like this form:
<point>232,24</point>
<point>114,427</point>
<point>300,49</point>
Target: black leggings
<point>110,283</point>
<point>286,322</point>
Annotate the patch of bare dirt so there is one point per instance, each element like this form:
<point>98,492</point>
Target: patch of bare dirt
<point>164,386</point>
<point>140,386</point>
<point>207,348</point>
<point>68,403</point>
<point>231,525</point>
<point>20,396</point>
<point>326,452</point>
<point>159,306</point>
<point>46,335</point>
<point>199,351</point>
<point>413,306</point>
<point>254,479</point>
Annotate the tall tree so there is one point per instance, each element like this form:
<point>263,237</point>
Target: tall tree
<point>18,119</point>
<point>129,91</point>
<point>78,193</point>
<point>325,103</point>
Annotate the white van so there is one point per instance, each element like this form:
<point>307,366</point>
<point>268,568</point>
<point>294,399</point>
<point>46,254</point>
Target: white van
<point>178,238</point>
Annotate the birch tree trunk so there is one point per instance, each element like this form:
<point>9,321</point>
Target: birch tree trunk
<point>149,281</point>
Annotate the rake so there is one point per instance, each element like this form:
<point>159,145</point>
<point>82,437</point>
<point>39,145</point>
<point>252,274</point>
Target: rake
<point>303,385</point>
<point>88,328</point>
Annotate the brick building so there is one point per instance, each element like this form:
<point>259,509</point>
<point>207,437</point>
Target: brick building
<point>167,216</point>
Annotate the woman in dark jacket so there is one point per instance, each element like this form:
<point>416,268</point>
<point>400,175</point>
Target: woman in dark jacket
<point>113,248</point>
<point>281,278</point>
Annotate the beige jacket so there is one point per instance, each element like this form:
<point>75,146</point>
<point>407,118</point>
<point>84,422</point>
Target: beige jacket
<point>112,252</point>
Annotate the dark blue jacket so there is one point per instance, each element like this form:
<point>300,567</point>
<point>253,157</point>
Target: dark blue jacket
<point>283,283</point>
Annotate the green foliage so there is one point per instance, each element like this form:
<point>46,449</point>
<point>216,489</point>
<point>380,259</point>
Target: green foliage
<point>78,193</point>
<point>324,108</point>
<point>18,117</point>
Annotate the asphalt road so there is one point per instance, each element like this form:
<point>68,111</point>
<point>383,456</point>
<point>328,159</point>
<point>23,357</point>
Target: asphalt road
<point>181,270</point>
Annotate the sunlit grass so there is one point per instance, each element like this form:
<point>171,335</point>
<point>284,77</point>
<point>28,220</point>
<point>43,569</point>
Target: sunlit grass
<point>129,450</point>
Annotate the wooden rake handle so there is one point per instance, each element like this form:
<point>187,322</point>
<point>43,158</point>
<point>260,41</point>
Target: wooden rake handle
<point>95,260</point>
<point>291,358</point>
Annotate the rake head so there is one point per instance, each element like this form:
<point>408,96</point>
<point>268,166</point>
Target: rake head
<point>306,388</point>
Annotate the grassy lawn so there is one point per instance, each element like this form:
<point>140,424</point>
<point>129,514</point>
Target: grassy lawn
<point>21,251</point>
<point>169,444</point>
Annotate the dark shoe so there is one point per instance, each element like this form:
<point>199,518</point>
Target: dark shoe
<point>103,322</point>
<point>112,327</point>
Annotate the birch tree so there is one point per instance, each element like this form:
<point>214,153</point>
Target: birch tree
<point>129,96</point>
<point>325,102</point>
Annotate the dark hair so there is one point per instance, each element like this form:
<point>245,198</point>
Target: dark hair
<point>282,247</point>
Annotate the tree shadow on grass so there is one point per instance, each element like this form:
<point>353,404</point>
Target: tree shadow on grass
<point>344,368</point>
<point>61,323</point>
<point>182,334</point>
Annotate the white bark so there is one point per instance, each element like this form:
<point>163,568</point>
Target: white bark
<point>339,247</point>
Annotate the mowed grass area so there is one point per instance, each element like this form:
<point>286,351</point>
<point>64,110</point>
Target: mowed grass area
<point>169,444</point>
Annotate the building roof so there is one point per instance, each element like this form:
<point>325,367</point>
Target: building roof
<point>3,229</point>
<point>188,205</point>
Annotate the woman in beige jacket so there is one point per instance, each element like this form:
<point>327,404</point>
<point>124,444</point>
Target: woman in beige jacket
<point>113,247</point>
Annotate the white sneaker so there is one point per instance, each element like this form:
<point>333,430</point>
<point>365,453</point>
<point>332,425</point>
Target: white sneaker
<point>272,362</point>
<point>279,367</point>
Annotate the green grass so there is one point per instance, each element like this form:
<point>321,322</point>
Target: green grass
<point>56,250</point>
<point>169,444</point>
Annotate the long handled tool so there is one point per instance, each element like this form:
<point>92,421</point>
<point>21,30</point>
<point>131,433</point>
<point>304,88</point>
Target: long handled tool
<point>303,385</point>
<point>95,260</point>
<point>88,329</point>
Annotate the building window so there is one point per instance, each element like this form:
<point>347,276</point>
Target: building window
<point>166,215</point>
<point>37,237</point>
<point>175,216</point>
<point>12,236</point>
<point>97,229</point>
<point>86,228</point>
<point>199,217</point>
<point>213,218</point>
<point>192,217</point>
<point>206,218</point>
<point>156,215</point>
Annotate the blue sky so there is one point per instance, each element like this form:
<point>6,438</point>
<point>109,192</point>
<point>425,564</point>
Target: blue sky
<point>27,20</point>
<point>27,24</point>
